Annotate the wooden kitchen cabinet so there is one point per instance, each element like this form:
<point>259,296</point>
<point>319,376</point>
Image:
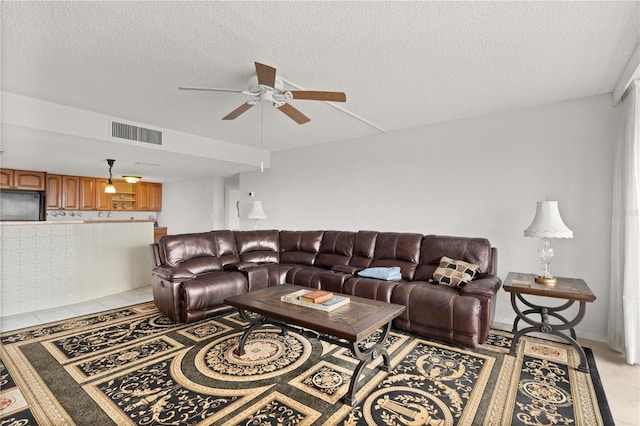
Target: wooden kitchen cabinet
<point>22,179</point>
<point>87,193</point>
<point>53,194</point>
<point>70,192</point>
<point>103,200</point>
<point>6,178</point>
<point>149,196</point>
<point>63,192</point>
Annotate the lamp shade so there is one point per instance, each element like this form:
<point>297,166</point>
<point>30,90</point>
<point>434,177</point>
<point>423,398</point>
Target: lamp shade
<point>547,223</point>
<point>257,212</point>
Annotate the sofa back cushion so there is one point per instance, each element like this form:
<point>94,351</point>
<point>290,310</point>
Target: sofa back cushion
<point>336,248</point>
<point>196,252</point>
<point>260,246</point>
<point>471,250</point>
<point>363,248</point>
<point>398,249</point>
<point>226,245</point>
<point>300,247</point>
<point>201,265</point>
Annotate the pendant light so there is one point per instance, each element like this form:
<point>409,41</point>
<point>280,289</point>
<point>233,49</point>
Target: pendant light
<point>110,189</point>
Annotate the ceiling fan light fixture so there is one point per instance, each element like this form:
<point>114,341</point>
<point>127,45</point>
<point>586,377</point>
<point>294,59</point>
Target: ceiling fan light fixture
<point>132,179</point>
<point>266,88</point>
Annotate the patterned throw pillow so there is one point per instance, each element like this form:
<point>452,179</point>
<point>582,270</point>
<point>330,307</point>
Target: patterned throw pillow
<point>454,273</point>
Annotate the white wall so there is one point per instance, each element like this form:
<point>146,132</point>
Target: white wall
<point>195,205</point>
<point>475,177</point>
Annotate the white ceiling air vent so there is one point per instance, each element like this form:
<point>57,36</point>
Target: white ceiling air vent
<point>135,133</point>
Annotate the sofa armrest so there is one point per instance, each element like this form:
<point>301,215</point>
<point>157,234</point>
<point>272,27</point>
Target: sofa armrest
<point>155,254</point>
<point>174,274</point>
<point>346,269</point>
<point>257,277</point>
<point>239,266</point>
<point>484,287</point>
<point>333,281</point>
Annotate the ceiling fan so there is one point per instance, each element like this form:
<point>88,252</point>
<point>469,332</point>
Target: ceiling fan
<point>271,90</point>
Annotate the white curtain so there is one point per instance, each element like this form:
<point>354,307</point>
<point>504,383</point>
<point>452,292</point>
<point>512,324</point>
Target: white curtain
<point>624,302</point>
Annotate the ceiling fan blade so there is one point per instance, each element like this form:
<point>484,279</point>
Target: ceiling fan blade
<point>236,112</point>
<point>318,96</point>
<point>294,114</point>
<point>211,89</point>
<point>266,75</point>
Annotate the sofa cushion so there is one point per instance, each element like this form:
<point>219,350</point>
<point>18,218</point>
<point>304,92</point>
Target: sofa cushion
<point>438,311</point>
<point>476,251</point>
<point>363,248</point>
<point>371,288</point>
<point>299,247</point>
<point>259,246</point>
<point>176,249</point>
<point>203,297</point>
<point>336,248</point>
<point>226,246</point>
<point>454,273</point>
<point>306,276</point>
<point>387,274</point>
<point>398,249</point>
<point>201,265</point>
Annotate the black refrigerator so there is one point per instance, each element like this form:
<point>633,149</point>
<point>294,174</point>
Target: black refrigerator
<point>19,206</point>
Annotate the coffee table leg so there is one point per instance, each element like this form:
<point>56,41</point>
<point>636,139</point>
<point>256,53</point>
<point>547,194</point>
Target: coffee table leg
<point>253,324</point>
<point>365,358</point>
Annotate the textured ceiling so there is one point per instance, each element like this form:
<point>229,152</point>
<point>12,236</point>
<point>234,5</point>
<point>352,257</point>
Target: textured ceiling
<point>401,64</point>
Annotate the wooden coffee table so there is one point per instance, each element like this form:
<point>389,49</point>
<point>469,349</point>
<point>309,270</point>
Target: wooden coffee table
<point>345,326</point>
<point>569,289</point>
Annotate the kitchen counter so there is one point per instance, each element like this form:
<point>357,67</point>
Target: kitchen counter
<point>116,221</point>
<point>48,264</point>
<point>70,222</point>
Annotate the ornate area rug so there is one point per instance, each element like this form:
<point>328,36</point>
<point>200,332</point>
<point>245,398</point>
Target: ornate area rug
<point>133,366</point>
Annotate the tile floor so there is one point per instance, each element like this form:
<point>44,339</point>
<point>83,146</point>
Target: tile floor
<point>13,322</point>
<point>621,381</point>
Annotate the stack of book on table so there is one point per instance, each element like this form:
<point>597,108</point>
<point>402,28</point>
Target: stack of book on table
<point>316,299</point>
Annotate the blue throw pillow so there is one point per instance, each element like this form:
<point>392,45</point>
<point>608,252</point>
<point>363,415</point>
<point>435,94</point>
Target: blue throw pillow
<point>388,274</point>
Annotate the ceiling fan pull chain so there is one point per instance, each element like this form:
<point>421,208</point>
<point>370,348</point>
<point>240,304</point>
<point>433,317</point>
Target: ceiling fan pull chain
<point>262,138</point>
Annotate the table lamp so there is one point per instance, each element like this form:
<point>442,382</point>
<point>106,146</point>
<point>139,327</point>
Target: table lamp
<point>547,224</point>
<point>257,213</point>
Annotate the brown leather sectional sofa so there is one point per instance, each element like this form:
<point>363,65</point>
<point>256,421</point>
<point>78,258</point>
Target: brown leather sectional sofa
<point>194,273</point>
